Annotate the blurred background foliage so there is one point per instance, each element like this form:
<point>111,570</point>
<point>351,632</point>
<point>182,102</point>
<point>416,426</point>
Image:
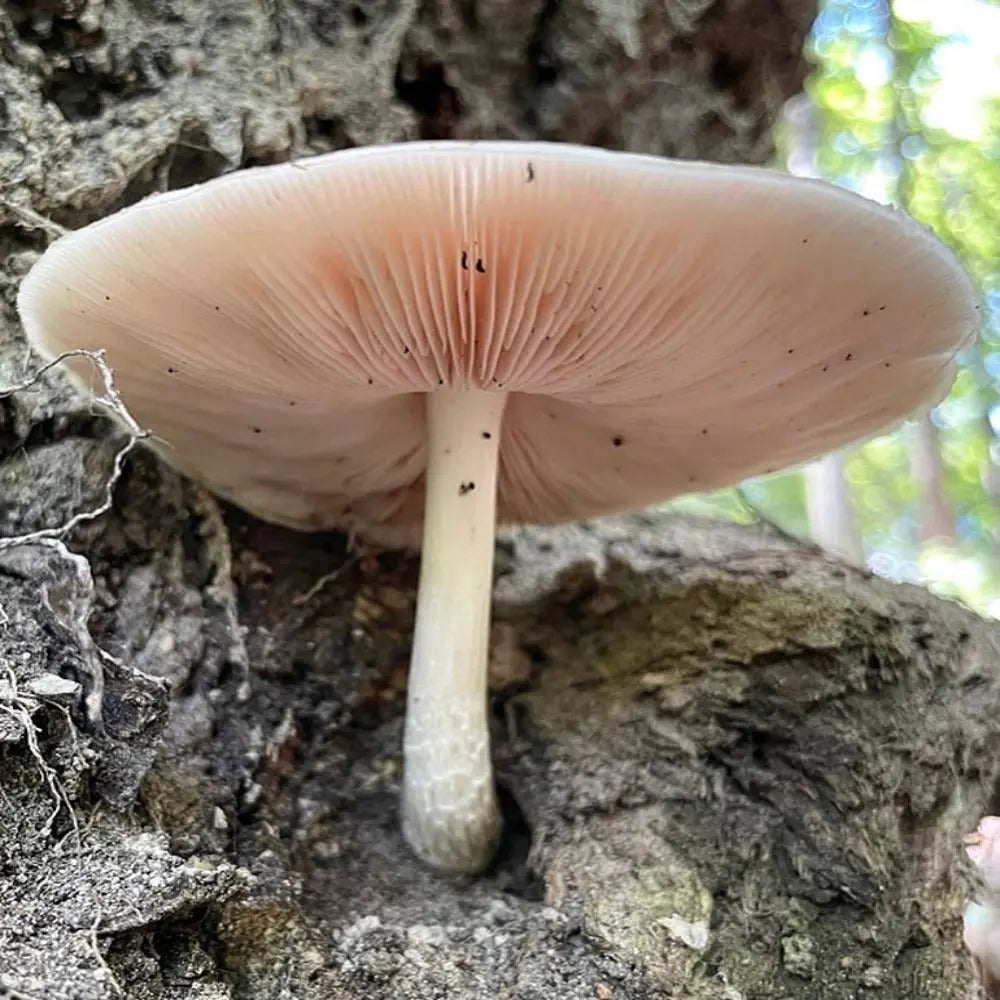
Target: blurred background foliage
<point>903,106</point>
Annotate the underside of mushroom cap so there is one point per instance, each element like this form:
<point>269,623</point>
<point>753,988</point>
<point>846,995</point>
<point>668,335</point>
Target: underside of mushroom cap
<point>660,327</point>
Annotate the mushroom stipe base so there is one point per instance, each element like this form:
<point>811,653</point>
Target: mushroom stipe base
<point>450,814</point>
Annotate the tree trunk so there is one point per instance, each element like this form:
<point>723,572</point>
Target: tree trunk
<point>828,506</point>
<point>729,768</point>
<point>936,518</point>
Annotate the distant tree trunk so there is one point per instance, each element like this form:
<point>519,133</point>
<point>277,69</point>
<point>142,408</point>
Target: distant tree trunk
<point>832,524</point>
<point>936,516</point>
<point>990,470</point>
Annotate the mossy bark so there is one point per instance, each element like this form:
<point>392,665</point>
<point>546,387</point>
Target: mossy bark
<point>730,768</point>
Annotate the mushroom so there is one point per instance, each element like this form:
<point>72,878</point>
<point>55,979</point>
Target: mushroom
<point>981,931</point>
<point>452,333</point>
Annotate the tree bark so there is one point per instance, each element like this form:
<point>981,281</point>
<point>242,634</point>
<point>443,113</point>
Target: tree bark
<point>729,768</point>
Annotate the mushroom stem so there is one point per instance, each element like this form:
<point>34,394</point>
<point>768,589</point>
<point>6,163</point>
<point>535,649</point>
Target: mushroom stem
<point>450,813</point>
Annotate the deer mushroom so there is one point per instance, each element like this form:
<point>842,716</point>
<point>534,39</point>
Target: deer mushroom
<point>440,335</point>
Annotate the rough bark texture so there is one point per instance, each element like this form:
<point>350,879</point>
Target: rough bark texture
<point>731,768</point>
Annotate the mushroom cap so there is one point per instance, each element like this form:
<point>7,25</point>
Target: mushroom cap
<point>662,327</point>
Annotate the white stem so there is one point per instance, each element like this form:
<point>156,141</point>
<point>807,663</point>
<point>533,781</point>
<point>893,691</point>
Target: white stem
<point>450,813</point>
